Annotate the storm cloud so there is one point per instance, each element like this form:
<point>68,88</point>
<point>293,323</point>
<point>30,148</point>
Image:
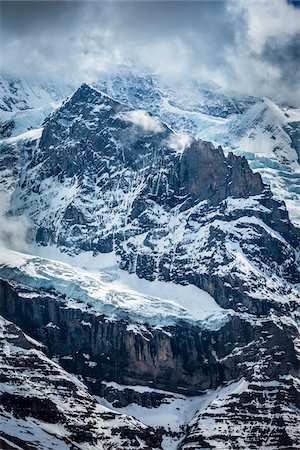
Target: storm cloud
<point>249,46</point>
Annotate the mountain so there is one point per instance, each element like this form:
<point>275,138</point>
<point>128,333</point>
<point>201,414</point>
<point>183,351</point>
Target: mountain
<point>106,178</point>
<point>267,134</point>
<point>157,293</point>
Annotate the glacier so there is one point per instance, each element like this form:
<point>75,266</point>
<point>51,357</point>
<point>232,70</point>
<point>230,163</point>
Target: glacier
<point>113,292</point>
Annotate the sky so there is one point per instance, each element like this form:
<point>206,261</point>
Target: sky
<point>249,46</point>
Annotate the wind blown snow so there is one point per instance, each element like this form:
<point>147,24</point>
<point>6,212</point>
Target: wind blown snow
<point>179,142</point>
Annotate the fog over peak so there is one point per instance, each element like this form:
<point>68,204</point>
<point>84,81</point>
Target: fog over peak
<point>252,47</point>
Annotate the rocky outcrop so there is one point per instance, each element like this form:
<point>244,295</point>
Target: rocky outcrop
<point>206,174</point>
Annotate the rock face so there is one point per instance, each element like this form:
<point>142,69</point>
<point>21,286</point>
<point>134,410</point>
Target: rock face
<point>44,407</point>
<point>175,358</point>
<point>206,174</point>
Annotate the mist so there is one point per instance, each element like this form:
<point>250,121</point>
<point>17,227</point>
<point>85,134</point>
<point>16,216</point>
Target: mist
<point>252,47</point>
<point>13,229</point>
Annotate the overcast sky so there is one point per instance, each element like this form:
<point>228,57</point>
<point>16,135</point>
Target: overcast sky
<point>250,46</point>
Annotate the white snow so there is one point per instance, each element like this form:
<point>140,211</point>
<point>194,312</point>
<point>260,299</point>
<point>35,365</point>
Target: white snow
<point>179,141</point>
<point>26,136</point>
<point>113,293</point>
<point>176,410</point>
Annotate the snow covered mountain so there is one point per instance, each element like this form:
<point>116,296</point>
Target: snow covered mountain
<point>105,178</point>
<point>161,274</point>
<point>24,105</point>
<point>267,134</point>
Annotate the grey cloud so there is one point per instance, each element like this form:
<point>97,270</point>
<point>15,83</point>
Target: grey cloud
<point>210,39</point>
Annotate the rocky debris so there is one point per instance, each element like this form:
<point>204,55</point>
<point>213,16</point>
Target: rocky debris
<point>44,407</point>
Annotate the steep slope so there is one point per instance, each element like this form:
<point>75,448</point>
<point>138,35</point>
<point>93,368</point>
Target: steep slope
<point>186,106</point>
<point>133,86</point>
<point>43,407</point>
<point>262,130</point>
<point>256,414</point>
<point>268,135</point>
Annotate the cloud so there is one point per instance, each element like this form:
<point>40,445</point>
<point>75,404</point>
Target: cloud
<point>266,58</point>
<point>249,46</point>
<point>143,120</point>
<point>13,230</point>
<point>179,141</point>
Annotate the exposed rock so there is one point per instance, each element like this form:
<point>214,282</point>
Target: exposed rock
<point>206,174</point>
<point>182,357</point>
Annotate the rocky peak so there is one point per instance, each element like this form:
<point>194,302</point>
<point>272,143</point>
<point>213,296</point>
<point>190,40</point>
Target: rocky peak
<point>206,174</point>
<point>97,127</point>
<point>87,94</point>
